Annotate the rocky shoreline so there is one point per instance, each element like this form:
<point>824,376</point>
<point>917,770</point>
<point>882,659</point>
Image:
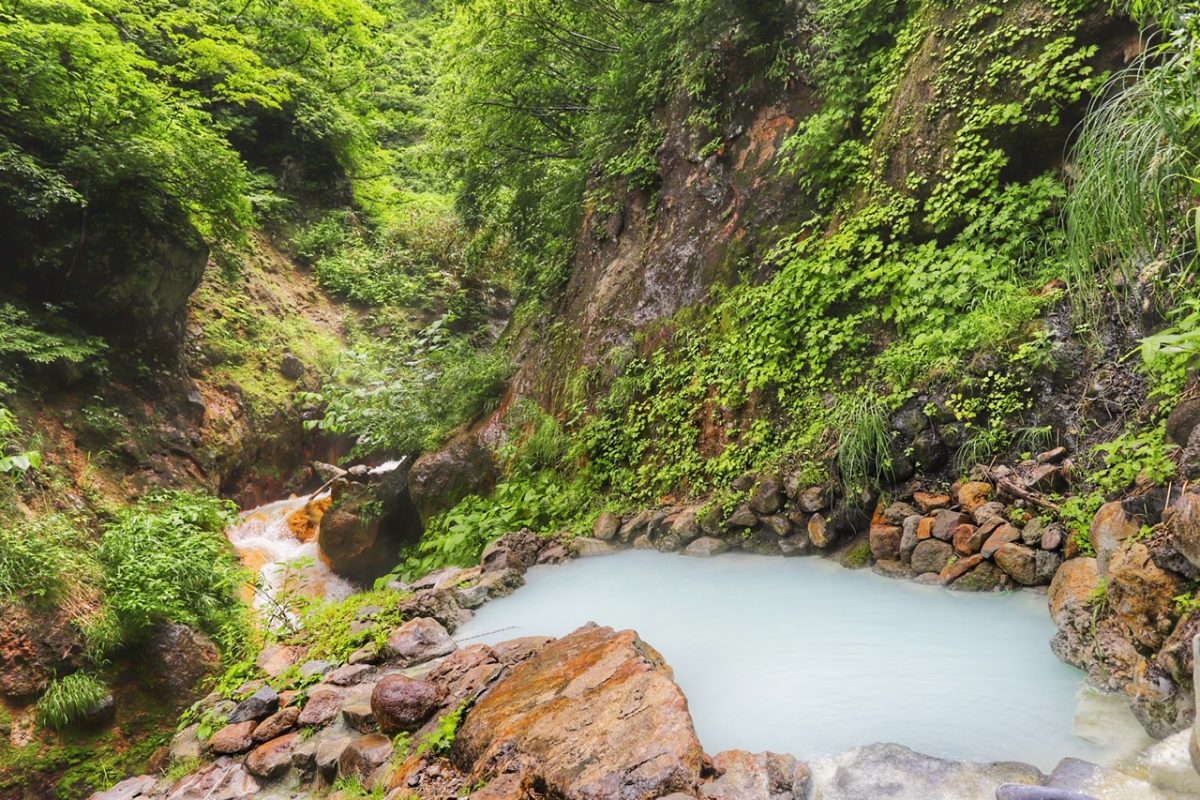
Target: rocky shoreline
<point>595,714</point>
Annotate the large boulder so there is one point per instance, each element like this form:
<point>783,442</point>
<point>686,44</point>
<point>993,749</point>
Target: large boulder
<point>440,479</point>
<point>1142,594</point>
<point>1183,521</point>
<point>367,524</point>
<point>404,704</point>
<point>593,714</point>
<point>418,640</point>
<point>178,659</point>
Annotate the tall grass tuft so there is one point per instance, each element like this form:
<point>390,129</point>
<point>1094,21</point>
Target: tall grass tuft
<point>864,439</point>
<point>70,700</point>
<point>1130,214</point>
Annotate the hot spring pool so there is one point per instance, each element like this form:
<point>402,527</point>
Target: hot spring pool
<point>802,656</point>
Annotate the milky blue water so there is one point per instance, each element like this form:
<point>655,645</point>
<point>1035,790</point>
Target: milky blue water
<point>805,657</point>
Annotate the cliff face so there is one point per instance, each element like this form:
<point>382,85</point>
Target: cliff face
<point>643,258</point>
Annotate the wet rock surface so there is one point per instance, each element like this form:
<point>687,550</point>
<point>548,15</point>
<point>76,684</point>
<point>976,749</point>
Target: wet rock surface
<point>594,714</point>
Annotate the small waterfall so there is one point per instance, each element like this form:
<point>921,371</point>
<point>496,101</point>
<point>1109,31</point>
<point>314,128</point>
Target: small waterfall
<point>278,541</point>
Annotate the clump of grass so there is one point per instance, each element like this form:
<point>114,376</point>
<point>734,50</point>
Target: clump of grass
<point>864,441</point>
<point>38,558</point>
<point>1136,170</point>
<point>70,700</point>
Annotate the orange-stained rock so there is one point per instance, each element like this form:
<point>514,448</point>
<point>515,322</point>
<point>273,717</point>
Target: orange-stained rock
<point>234,738</point>
<point>1071,590</point>
<point>925,529</point>
<point>967,540</point>
<point>1142,594</point>
<point>928,502</point>
<point>594,714</point>
<point>1109,529</point>
<point>306,521</point>
<point>973,495</point>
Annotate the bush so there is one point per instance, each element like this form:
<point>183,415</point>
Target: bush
<point>70,700</point>
<point>167,559</point>
<point>406,394</point>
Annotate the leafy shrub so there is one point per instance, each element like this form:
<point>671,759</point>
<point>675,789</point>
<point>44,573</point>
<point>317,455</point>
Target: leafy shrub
<point>542,503</point>
<point>406,394</point>
<point>43,338</point>
<point>167,559</point>
<point>14,459</point>
<point>69,700</point>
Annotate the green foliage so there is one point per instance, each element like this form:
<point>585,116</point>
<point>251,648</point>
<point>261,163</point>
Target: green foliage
<point>1131,215</point>
<point>439,741</point>
<point>405,394</point>
<point>543,503</point>
<point>167,559</point>
<point>40,559</point>
<point>42,339</point>
<point>1169,355</point>
<point>69,700</point>
<point>14,457</point>
<point>537,92</point>
<point>349,787</point>
<point>334,630</point>
<point>865,443</point>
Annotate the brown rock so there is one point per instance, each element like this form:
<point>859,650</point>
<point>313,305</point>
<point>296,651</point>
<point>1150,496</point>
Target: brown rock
<point>33,646</point>
<point>813,499</point>
<point>766,497</point>
<point>931,555</point>
<point>1052,538</point>
<point>404,704</point>
<point>322,708</point>
<point>364,755</point>
<point>1003,535</point>
<point>277,724</point>
<point>952,572</point>
<point>1072,589</point>
<point>440,479</point>
<point>180,658</point>
<point>972,495</point>
<point>1110,528</point>
<point>818,531</point>
<point>885,542</point>
<point>1142,595</point>
<point>235,738</point>
<point>606,526</point>
<point>1018,561</point>
<point>1183,522</point>
<point>925,528</point>
<point>746,775</point>
<point>945,523</point>
<point>986,577</point>
<point>219,780</point>
<point>967,540</point>
<point>928,502</point>
<point>269,761</point>
<point>417,641</point>
<point>594,714</point>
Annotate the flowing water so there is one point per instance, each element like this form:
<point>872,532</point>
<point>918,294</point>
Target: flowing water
<point>278,542</point>
<point>804,657</point>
